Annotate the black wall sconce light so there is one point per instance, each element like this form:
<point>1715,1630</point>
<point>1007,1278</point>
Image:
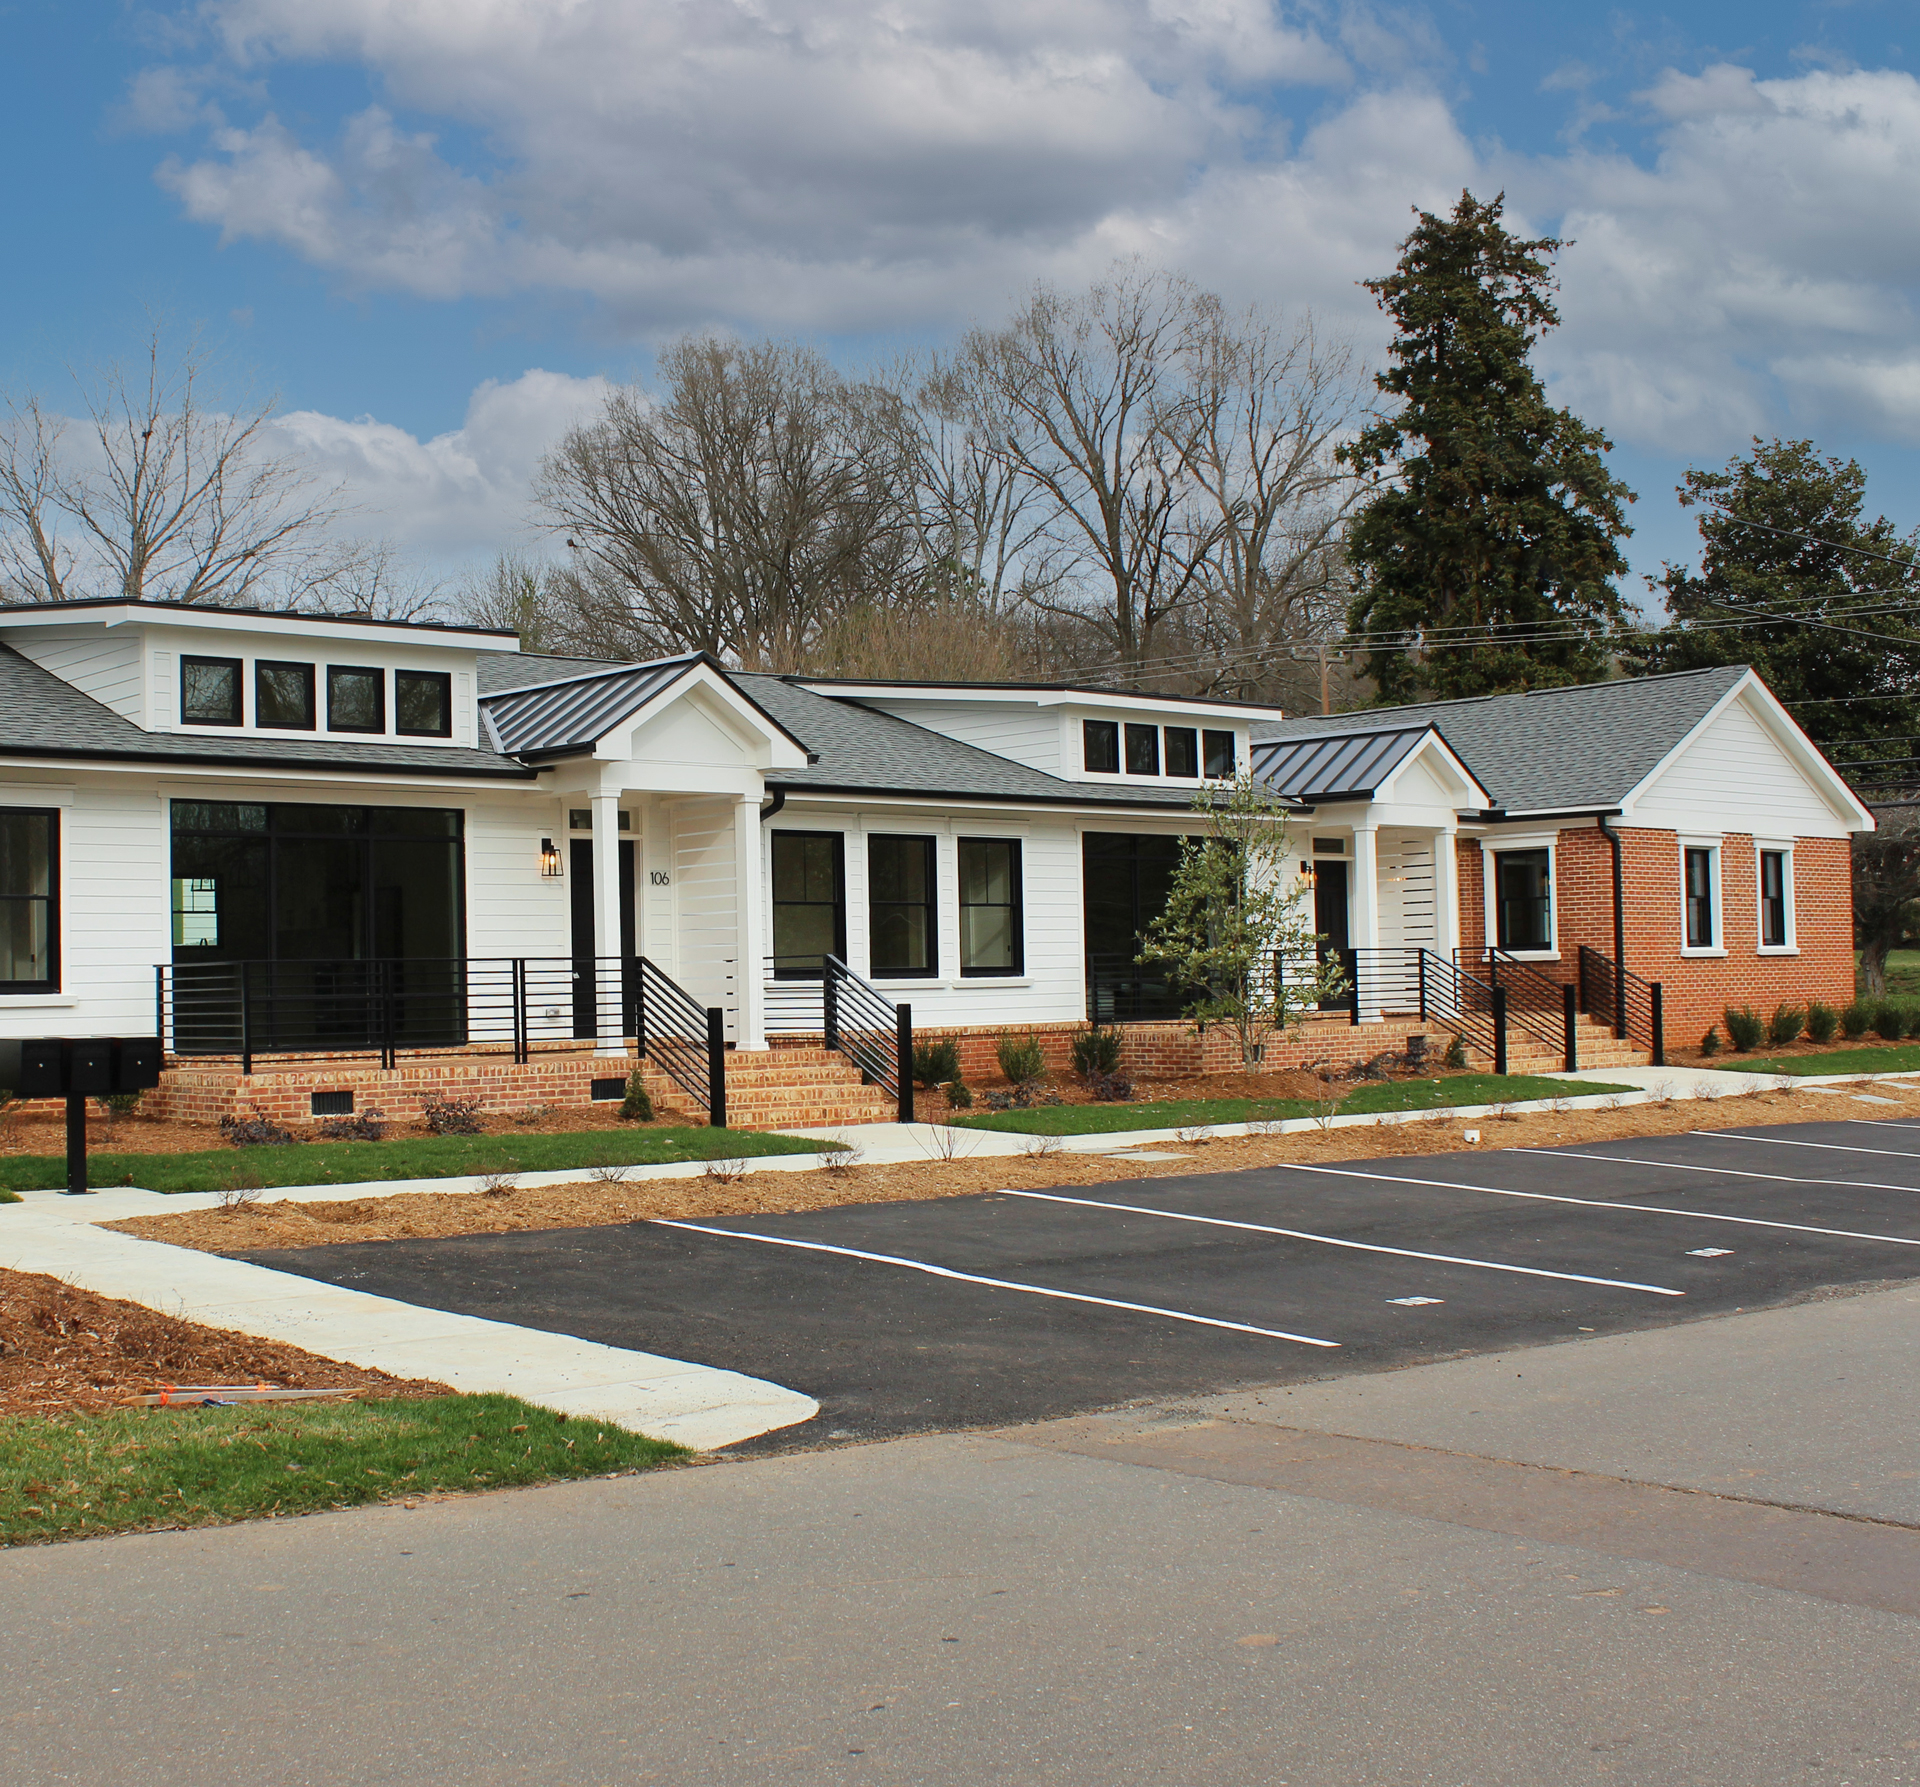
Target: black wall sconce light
<point>549,859</point>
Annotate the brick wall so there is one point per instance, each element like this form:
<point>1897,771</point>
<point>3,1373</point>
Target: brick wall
<point>1697,989</point>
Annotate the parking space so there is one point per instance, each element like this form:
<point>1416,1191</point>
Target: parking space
<point>1012,1305</point>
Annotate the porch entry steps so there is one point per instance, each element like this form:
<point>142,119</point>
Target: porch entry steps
<point>786,1086</point>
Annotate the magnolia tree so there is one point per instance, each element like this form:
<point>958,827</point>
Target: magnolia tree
<point>1237,932</point>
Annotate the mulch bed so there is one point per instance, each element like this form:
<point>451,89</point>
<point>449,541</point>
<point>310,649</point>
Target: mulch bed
<point>426,1215</point>
<point>66,1349</point>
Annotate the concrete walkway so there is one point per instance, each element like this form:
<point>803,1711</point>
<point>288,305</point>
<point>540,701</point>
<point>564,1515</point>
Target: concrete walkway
<point>670,1399</point>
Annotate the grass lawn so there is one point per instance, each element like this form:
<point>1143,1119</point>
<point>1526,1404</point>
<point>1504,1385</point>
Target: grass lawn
<point>1894,1058</point>
<point>408,1157</point>
<point>1387,1095</point>
<point>76,1476</point>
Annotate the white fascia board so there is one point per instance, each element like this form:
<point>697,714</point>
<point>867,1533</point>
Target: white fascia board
<point>782,752</point>
<point>1097,817</point>
<point>881,693</point>
<point>1785,732</point>
<point>364,789</point>
<point>279,626</point>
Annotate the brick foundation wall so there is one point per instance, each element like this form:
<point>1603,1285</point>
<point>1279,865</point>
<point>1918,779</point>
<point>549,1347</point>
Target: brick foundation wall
<point>1697,989</point>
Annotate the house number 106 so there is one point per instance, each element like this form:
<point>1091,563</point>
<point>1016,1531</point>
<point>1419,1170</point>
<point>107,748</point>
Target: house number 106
<point>659,878</point>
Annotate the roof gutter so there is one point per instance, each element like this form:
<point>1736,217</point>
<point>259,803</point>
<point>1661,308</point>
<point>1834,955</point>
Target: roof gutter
<point>1500,815</point>
<point>60,754</point>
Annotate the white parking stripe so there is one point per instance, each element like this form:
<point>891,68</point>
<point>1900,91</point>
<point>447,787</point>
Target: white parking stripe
<point>1547,1197</point>
<point>999,1284</point>
<point>1684,1166</point>
<point>1405,1253</point>
<point>1880,1123</point>
<point>1734,1135</point>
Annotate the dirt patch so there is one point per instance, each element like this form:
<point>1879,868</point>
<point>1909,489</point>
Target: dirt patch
<point>63,1349</point>
<point>426,1215</point>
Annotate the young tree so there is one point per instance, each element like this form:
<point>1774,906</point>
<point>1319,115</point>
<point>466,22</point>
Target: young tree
<point>1488,553</point>
<point>1793,581</point>
<point>1237,930</point>
<point>157,496</point>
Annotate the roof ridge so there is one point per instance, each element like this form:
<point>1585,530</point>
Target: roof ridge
<point>614,668</point>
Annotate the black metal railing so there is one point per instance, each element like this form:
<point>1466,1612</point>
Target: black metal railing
<point>1636,1008</point>
<point>875,1034</point>
<point>1474,1009</point>
<point>420,1006</point>
<point>1121,990</point>
<point>1545,1008</point>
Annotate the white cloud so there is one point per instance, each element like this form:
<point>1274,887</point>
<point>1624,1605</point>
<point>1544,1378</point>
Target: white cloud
<point>845,166</point>
<point>456,498</point>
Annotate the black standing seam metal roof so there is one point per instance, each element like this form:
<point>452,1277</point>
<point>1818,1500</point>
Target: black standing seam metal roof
<point>1584,747</point>
<point>499,672</point>
<point>565,715</point>
<point>1343,765</point>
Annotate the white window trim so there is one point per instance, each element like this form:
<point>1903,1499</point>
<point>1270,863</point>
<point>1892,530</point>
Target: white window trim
<point>1781,847</point>
<point>1493,846</point>
<point>1712,842</point>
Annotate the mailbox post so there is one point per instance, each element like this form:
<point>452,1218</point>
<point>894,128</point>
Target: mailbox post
<point>76,1069</point>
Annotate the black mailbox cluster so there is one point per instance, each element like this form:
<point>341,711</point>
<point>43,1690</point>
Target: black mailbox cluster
<point>79,1066</point>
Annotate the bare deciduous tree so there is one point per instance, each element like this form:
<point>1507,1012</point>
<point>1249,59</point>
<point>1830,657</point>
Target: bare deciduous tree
<point>155,495</point>
<point>763,496</point>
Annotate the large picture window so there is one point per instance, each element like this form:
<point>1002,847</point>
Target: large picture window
<point>809,903</point>
<point>1697,874</point>
<point>990,920</point>
<point>1523,904</point>
<point>900,904</point>
<point>29,900</point>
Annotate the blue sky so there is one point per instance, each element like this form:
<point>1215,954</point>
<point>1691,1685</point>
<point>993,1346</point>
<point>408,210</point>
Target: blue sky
<point>381,211</point>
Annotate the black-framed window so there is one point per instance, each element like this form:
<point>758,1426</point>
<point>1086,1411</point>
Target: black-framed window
<point>1220,758</point>
<point>1773,899</point>
<point>356,699</point>
<point>1183,751</point>
<point>283,695</point>
<point>1143,750</point>
<point>29,900</point>
<point>1100,746</point>
<point>210,691</point>
<point>1698,878</point>
<point>809,902</point>
<point>1523,904</point>
<point>991,922</point>
<point>902,932</point>
<point>423,703</point>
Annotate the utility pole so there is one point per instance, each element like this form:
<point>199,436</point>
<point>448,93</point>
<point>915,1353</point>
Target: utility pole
<point>1326,654</point>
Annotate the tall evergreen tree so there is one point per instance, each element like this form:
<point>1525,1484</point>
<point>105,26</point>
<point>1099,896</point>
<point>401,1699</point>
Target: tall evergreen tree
<point>1490,549</point>
<point>1821,602</point>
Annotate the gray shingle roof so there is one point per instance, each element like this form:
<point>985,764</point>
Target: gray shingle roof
<point>861,749</point>
<point>567,715</point>
<point>500,671</point>
<point>1334,766</point>
<point>41,716</point>
<point>1551,749</point>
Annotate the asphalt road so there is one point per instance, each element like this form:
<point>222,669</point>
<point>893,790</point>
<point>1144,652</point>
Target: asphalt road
<point>978,1311</point>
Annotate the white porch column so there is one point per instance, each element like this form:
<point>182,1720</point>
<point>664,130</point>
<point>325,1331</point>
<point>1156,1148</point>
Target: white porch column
<point>606,924</point>
<point>750,948</point>
<point>1446,894</point>
<point>1365,926</point>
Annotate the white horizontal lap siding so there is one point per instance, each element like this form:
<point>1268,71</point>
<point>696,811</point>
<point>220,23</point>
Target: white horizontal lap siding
<point>1406,891</point>
<point>514,910</point>
<point>1019,731</point>
<point>105,666</point>
<point>705,907</point>
<point>1733,777</point>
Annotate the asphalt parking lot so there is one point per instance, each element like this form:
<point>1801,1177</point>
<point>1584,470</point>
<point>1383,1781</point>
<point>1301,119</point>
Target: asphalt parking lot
<point>1013,1306</point>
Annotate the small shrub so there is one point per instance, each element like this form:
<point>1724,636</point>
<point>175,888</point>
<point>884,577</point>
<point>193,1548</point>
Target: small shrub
<point>727,1171</point>
<point>1786,1024</point>
<point>637,1105</point>
<point>241,1191</point>
<point>498,1185</point>
<point>366,1126</point>
<point>451,1116</point>
<point>1710,1043</point>
<point>1096,1050</point>
<point>1020,1059</point>
<point>1110,1088</point>
<point>119,1104</point>
<point>1855,1021</point>
<point>1822,1021</point>
<point>1044,1143</point>
<point>254,1132</point>
<point>1889,1022</point>
<point>936,1063</point>
<point>1456,1055</point>
<point>1744,1027</point>
<point>959,1095</point>
<point>1912,1011</point>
